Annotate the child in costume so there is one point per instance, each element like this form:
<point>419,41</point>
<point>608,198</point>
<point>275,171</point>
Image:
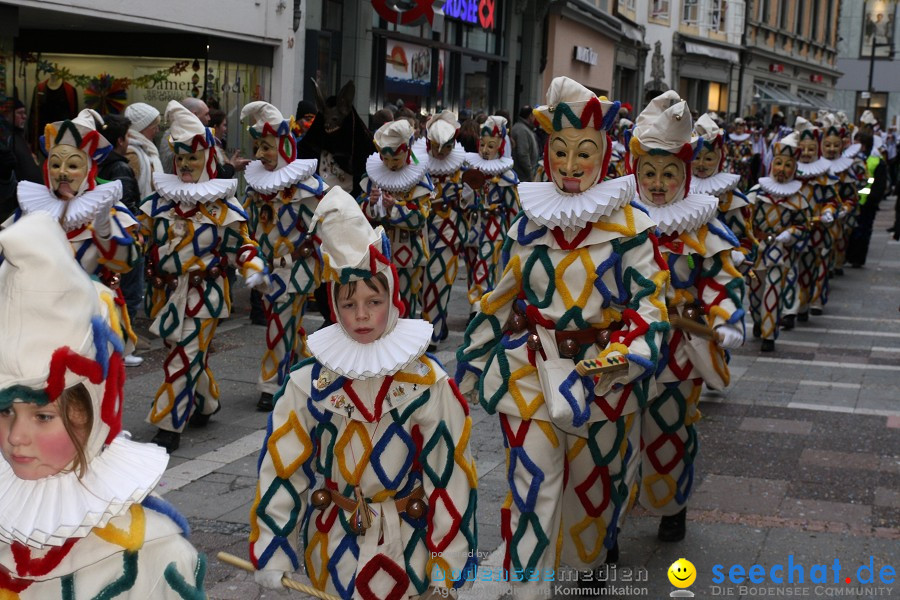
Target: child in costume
<point>709,178</point>
<point>195,227</point>
<point>583,280</point>
<point>705,289</point>
<point>382,427</point>
<point>283,195</point>
<point>444,159</point>
<point>77,520</point>
<point>397,195</point>
<point>496,204</point>
<point>781,215</point>
<point>742,157</point>
<point>97,224</point>
<point>811,256</point>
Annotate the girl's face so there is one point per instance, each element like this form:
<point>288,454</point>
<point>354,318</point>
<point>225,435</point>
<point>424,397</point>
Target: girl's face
<point>783,168</point>
<point>67,167</point>
<point>661,177</point>
<point>707,162</point>
<point>576,158</point>
<point>267,152</point>
<point>364,313</point>
<point>190,166</point>
<point>34,440</point>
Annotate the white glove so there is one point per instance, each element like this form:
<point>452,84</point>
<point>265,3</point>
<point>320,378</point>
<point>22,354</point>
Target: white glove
<point>827,218</point>
<point>730,336</point>
<point>737,258</point>
<point>259,281</point>
<point>102,225</point>
<point>269,579</point>
<point>784,237</point>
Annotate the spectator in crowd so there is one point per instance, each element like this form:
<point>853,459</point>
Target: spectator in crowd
<point>525,149</point>
<point>8,181</point>
<point>142,154</point>
<point>385,115</point>
<point>876,169</point>
<point>27,168</point>
<point>468,135</point>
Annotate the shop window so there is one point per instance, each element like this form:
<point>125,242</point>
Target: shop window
<point>659,10</point>
<point>717,97</point>
<point>690,12</point>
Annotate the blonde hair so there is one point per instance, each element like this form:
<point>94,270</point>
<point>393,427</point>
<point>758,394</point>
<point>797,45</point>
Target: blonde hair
<point>77,413</point>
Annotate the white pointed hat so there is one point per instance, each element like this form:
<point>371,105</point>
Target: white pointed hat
<point>494,126</point>
<point>80,132</point>
<point>868,118</point>
<point>187,135</point>
<point>442,128</point>
<point>570,104</point>
<point>665,125</point>
<point>787,145</point>
<point>394,135</point>
<point>707,128</point>
<point>804,128</point>
<point>268,120</point>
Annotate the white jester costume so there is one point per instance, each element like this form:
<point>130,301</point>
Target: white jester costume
<point>496,205</point>
<point>850,172</point>
<point>704,287</point>
<point>618,150</point>
<point>380,432</point>
<point>581,280</point>
<point>280,203</point>
<point>734,207</point>
<point>405,222</point>
<point>101,534</point>
<point>97,224</point>
<point>194,229</point>
<point>811,257</point>
<point>781,215</point>
<point>446,223</point>
<point>740,157</point>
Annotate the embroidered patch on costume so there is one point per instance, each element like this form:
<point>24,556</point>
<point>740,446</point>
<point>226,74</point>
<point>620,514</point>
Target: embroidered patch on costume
<point>325,379</point>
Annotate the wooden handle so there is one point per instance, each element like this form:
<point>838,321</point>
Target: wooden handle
<point>691,326</point>
<point>602,366</point>
<point>246,565</point>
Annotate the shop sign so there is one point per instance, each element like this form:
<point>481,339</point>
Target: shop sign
<point>585,54</point>
<point>421,10</point>
<point>473,12</point>
<point>408,68</point>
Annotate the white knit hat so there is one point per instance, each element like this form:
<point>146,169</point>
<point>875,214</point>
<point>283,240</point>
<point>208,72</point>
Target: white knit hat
<point>707,128</point>
<point>394,135</point>
<point>665,124</point>
<point>141,115</point>
<point>442,127</point>
<point>570,104</point>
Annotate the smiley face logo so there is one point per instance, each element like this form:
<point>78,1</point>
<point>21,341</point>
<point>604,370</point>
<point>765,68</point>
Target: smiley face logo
<point>682,573</point>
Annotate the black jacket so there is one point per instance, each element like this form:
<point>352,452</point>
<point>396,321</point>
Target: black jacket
<point>116,168</point>
<point>26,168</point>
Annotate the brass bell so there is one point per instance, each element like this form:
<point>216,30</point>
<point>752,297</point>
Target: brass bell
<point>416,508</point>
<point>148,272</point>
<point>196,280</point>
<point>603,338</point>
<point>690,312</point>
<point>517,323</point>
<point>214,272</point>
<point>355,523</point>
<point>568,348</point>
<point>158,282</point>
<point>172,283</point>
<point>114,281</point>
<point>321,499</point>
<point>533,342</point>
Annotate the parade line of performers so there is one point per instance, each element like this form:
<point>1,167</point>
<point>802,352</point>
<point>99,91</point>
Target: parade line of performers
<point>602,299</point>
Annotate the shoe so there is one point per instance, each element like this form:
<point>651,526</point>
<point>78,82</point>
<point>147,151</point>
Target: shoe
<point>787,322</point>
<point>198,419</point>
<point>672,529</point>
<point>815,311</point>
<point>432,348</point>
<point>757,331</point>
<point>133,360</point>
<point>768,345</point>
<point>167,439</point>
<point>803,317</point>
<point>257,320</point>
<point>265,404</point>
<point>612,555</point>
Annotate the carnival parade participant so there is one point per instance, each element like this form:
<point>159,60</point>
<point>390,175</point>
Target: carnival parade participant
<point>618,152</point>
<point>811,256</point>
<point>709,178</point>
<point>781,216</point>
<point>705,289</point>
<point>741,157</point>
<point>582,282</point>
<point>397,194</point>
<point>99,227</point>
<point>282,197</point>
<point>77,518</point>
<point>850,172</point>
<point>385,429</point>
<point>444,159</point>
<point>195,227</point>
<point>491,175</point>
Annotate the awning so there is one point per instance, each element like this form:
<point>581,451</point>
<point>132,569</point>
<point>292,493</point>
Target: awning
<point>819,102</point>
<point>732,56</point>
<point>772,95</point>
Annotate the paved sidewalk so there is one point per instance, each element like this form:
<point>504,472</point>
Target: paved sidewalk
<point>799,457</point>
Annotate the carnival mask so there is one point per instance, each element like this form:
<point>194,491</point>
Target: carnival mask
<point>394,161</point>
<point>832,146</point>
<point>661,177</point>
<point>67,169</point>
<point>442,151</point>
<point>809,150</point>
<point>267,152</point>
<point>189,167</point>
<point>489,147</point>
<point>740,129</point>
<point>707,162</point>
<point>576,158</point>
<point>783,168</point>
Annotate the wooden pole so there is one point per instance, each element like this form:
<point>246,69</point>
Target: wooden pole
<point>286,581</point>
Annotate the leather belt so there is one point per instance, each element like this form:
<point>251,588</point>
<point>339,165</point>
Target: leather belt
<point>569,342</point>
<point>411,504</point>
<point>170,280</point>
<point>304,250</point>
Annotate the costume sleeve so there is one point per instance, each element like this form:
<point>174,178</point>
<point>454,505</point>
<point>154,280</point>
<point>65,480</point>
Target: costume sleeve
<point>242,250</point>
<point>450,481</point>
<point>118,252</point>
<point>370,209</point>
<point>720,288</point>
<point>181,570</point>
<point>286,472</point>
<point>413,212</point>
<point>799,226</point>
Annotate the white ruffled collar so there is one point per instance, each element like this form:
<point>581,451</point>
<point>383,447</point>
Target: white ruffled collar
<point>172,188</point>
<point>547,206</point>
<point>440,166</point>
<point>269,182</point>
<point>79,211</point>
<point>393,181</point>
<point>841,164</point>
<point>390,353</point>
<point>852,150</point>
<point>495,166</point>
<point>714,185</point>
<point>738,137</point>
<point>779,190</point>
<point>618,148</point>
<point>685,216</point>
<point>813,169</point>
<point>51,510</point>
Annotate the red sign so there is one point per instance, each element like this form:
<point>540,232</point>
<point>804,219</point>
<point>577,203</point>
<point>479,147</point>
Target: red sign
<point>816,78</point>
<point>474,12</point>
<point>776,68</point>
<point>387,10</point>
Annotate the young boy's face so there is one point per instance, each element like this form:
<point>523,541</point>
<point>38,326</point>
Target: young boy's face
<point>364,313</point>
<point>34,440</point>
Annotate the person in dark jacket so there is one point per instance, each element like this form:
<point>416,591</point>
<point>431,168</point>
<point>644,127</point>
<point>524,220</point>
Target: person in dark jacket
<point>8,181</point>
<point>877,171</point>
<point>27,168</point>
